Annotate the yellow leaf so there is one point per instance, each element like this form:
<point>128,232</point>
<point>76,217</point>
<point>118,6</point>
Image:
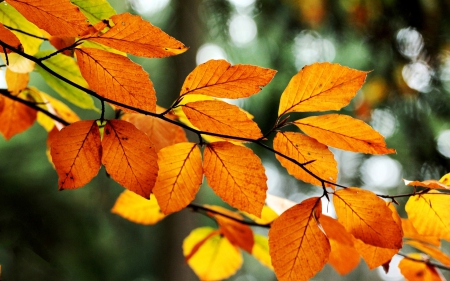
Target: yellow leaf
<point>261,250</point>
<point>56,107</point>
<point>18,63</point>
<point>299,249</point>
<point>418,271</point>
<point>76,154</point>
<point>104,72</point>
<point>432,251</point>
<point>320,87</point>
<point>129,157</point>
<point>179,177</point>
<point>445,179</point>
<point>344,132</point>
<point>221,118</point>
<point>267,215</point>
<point>367,217</point>
<point>411,233</point>
<point>304,149</point>
<point>218,78</point>
<point>429,214</point>
<point>215,259</point>
<point>16,82</point>
<point>279,204</point>
<point>134,208</point>
<point>133,35</point>
<point>236,175</point>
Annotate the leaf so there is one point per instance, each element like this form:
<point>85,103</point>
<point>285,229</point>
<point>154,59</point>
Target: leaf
<point>221,118</point>
<point>76,153</point>
<point>411,233</point>
<point>215,258</point>
<point>279,204</point>
<point>9,38</point>
<point>343,257</point>
<point>429,214</point>
<point>16,82</point>
<point>160,132</point>
<point>179,177</point>
<point>12,18</point>
<point>117,78</point>
<point>344,132</point>
<point>434,184</point>
<point>95,10</point>
<point>432,251</point>
<point>66,67</point>
<point>15,117</point>
<point>304,149</point>
<point>299,249</point>
<point>129,157</point>
<point>133,35</point>
<point>57,17</point>
<point>418,271</point>
<point>261,250</point>
<point>374,256</point>
<point>236,175</point>
<point>445,179</point>
<point>321,87</point>
<point>367,217</point>
<point>61,43</point>
<point>267,215</point>
<point>18,63</point>
<point>237,233</point>
<point>217,78</point>
<point>139,210</point>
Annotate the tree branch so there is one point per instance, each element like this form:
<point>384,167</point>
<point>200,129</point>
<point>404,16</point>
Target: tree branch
<point>425,261</point>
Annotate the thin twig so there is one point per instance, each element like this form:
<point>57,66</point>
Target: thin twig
<point>26,33</point>
<point>425,261</point>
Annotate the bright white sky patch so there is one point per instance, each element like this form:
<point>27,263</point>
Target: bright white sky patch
<point>208,52</point>
<point>148,7</point>
<point>381,172</point>
<point>242,29</point>
<point>443,143</point>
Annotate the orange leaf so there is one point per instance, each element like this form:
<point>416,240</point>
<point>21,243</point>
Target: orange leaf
<point>429,214</point>
<point>304,149</point>
<point>411,233</point>
<point>320,87</point>
<point>367,217</point>
<point>62,42</point>
<point>129,157</point>
<point>238,234</point>
<point>344,132</point>
<point>418,271</point>
<point>221,118</point>
<point>160,132</point>
<point>76,154</point>
<point>374,256</point>
<point>434,184</point>
<point>106,75</point>
<point>9,38</point>
<point>16,82</point>
<point>15,117</point>
<point>299,249</point>
<point>57,17</point>
<point>217,78</point>
<point>343,257</point>
<point>432,251</point>
<point>134,208</point>
<point>179,177</point>
<point>133,35</point>
<point>236,175</point>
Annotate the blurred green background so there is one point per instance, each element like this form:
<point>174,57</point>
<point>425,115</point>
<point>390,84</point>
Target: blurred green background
<point>71,235</point>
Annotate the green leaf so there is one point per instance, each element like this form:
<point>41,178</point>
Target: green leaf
<point>66,67</point>
<point>95,10</point>
<point>95,45</point>
<point>12,18</point>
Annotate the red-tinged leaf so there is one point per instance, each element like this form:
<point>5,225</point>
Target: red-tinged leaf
<point>432,251</point>
<point>217,78</point>
<point>418,270</point>
<point>374,256</point>
<point>434,184</point>
<point>76,154</point>
<point>62,42</point>
<point>133,35</point>
<point>57,17</point>
<point>139,210</point>
<point>15,117</point>
<point>304,149</point>
<point>117,78</point>
<point>343,257</point>
<point>17,82</point>
<point>237,233</point>
<point>9,38</point>
<point>429,214</point>
<point>129,157</point>
<point>179,177</point>
<point>236,175</point>
<point>320,87</point>
<point>299,249</point>
<point>160,132</point>
<point>221,118</point>
<point>367,217</point>
<point>344,132</point>
<point>410,232</point>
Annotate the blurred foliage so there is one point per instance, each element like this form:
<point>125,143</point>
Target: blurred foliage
<point>71,235</point>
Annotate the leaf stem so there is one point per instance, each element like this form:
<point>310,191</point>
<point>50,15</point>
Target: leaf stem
<point>425,261</point>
